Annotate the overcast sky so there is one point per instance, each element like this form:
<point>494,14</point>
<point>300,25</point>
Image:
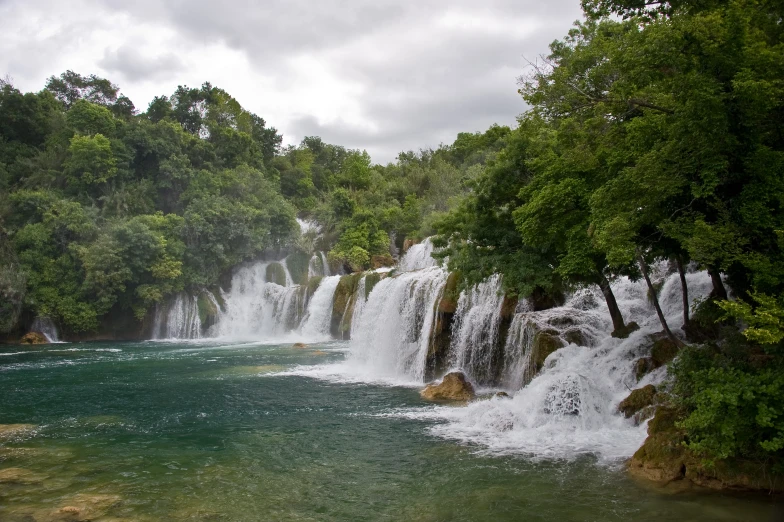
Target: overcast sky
<point>378,75</point>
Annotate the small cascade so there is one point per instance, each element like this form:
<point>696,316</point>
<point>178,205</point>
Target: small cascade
<point>360,300</point>
<point>178,319</point>
<point>318,266</point>
<point>518,351</point>
<point>391,334</point>
<point>45,326</point>
<point>316,323</point>
<point>418,257</point>
<point>475,333</point>
<point>258,309</point>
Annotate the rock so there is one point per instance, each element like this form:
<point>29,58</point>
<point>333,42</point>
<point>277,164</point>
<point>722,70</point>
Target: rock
<point>542,300</point>
<point>576,336</point>
<point>10,431</point>
<point>502,394</point>
<point>276,274</point>
<point>408,243</point>
<point>319,352</point>
<point>299,345</point>
<point>637,400</point>
<point>84,507</point>
<point>448,302</point>
<point>34,338</point>
<point>644,414</point>
<point>208,309</point>
<point>508,307</point>
<point>544,344</point>
<point>20,476</point>
<point>643,366</point>
<point>381,261</point>
<point>623,333</point>
<point>453,387</point>
<point>663,351</point>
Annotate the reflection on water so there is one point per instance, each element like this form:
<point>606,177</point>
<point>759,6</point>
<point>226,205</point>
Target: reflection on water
<point>183,431</point>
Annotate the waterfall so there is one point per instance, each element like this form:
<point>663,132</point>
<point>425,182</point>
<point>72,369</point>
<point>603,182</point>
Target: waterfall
<point>475,331</point>
<point>45,326</point>
<point>257,309</point>
<point>391,336</point>
<point>570,407</point>
<point>316,324</point>
<point>318,266</point>
<point>418,257</point>
<point>179,319</point>
<point>359,305</point>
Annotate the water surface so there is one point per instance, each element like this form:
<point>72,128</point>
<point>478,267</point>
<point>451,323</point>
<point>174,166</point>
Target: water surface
<point>225,431</point>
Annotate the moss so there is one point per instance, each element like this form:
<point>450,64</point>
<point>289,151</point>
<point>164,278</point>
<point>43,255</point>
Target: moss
<point>544,344</point>
<point>276,274</point>
<point>448,302</point>
<point>637,400</point>
<point>663,351</point>
<point>313,284</point>
<point>381,261</point>
<point>298,263</point>
<point>576,336</point>
<point>343,299</point>
<point>623,333</point>
<point>371,280</point>
<point>208,312</point>
<point>643,366</point>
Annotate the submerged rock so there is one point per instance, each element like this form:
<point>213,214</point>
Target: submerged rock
<point>84,507</point>
<point>10,431</point>
<point>453,387</point>
<point>20,476</point>
<point>34,338</point>
<point>299,345</point>
<point>637,400</point>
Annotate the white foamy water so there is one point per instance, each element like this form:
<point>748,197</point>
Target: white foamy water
<point>178,319</point>
<point>46,326</point>
<point>418,257</point>
<point>316,323</point>
<point>392,334</point>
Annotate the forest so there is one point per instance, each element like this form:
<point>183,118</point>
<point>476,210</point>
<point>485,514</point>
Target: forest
<point>655,131</point>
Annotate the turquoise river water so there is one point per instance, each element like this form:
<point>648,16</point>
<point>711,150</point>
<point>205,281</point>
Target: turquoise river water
<point>221,431</point>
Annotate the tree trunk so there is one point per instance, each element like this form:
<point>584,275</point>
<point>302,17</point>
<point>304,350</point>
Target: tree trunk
<point>612,304</point>
<point>662,320</point>
<point>685,290</point>
<point>718,287</point>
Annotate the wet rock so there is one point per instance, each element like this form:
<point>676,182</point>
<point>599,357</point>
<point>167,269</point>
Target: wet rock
<point>453,387</point>
<point>663,351</point>
<point>508,307</point>
<point>276,274</point>
<point>83,508</point>
<point>34,338</point>
<point>542,300</point>
<point>637,400</point>
<point>623,333</point>
<point>544,344</point>
<point>381,261</point>
<point>448,302</point>
<point>502,394</point>
<point>20,476</point>
<point>408,243</point>
<point>208,310</point>
<point>319,352</point>
<point>643,366</point>
<point>299,345</point>
<point>576,336</point>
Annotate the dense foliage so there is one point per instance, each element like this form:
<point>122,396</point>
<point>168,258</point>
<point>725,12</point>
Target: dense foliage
<point>656,130</point>
<point>105,208</point>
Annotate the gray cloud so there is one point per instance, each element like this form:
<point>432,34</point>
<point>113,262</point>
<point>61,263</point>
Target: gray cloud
<point>400,75</point>
<point>132,65</point>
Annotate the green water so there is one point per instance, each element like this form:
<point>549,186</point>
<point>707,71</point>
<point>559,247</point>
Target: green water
<point>162,431</point>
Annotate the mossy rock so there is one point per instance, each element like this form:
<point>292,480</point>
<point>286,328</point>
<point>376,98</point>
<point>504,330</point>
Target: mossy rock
<point>544,344</point>
<point>626,331</point>
<point>208,310</point>
<point>298,263</point>
<point>637,400</point>
<point>342,304</point>
<point>508,307</point>
<point>663,351</point>
<point>381,261</point>
<point>540,299</point>
<point>275,274</point>
<point>451,294</point>
<point>371,280</point>
<point>576,336</point>
<point>313,284</point>
<point>643,366</point>
<point>34,338</point>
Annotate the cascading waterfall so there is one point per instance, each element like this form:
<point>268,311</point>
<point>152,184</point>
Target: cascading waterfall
<point>570,407</point>
<point>45,326</point>
<point>475,332</point>
<point>179,320</point>
<point>359,306</point>
<point>418,257</point>
<point>257,309</point>
<point>391,336</point>
<point>318,266</point>
<point>316,323</point>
